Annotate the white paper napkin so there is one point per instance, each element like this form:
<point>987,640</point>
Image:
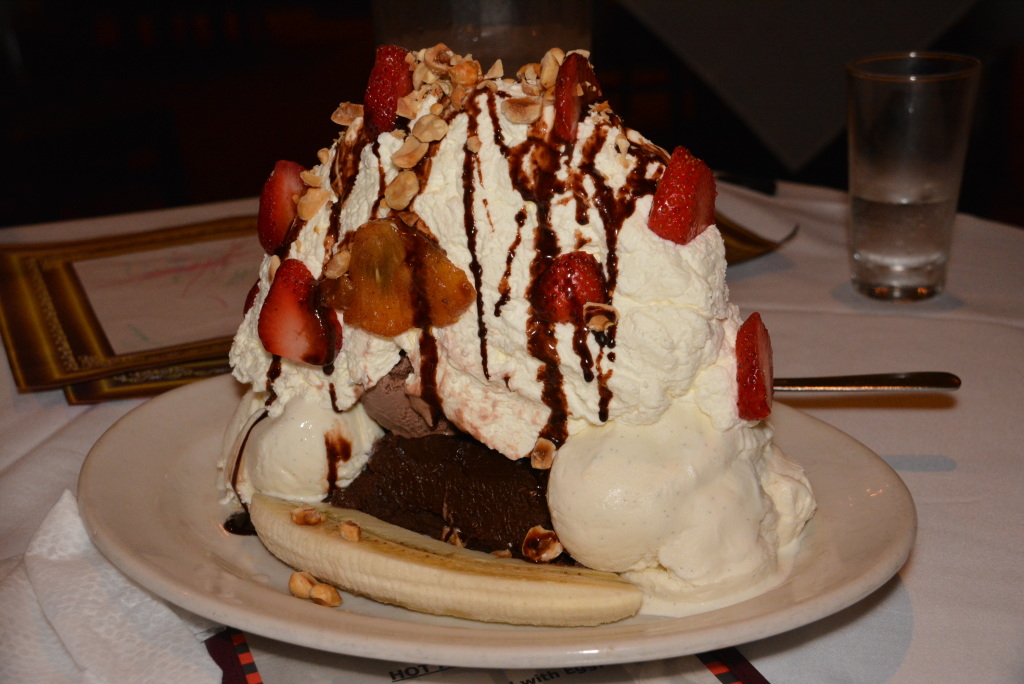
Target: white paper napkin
<point>68,615</point>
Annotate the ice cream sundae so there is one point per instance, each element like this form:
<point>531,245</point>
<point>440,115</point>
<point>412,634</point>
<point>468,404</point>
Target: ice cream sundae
<point>492,324</point>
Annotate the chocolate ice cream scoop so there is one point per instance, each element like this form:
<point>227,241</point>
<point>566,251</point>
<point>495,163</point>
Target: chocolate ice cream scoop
<point>398,412</point>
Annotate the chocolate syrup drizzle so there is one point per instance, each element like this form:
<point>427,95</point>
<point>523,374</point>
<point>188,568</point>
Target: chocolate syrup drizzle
<point>470,172</point>
<point>339,450</point>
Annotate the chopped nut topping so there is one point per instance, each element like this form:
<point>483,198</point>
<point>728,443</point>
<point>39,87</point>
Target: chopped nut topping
<point>599,316</point>
<point>522,110</point>
<point>458,97</point>
<point>541,545</point>
<point>410,153</point>
<point>323,154</point>
<point>549,64</point>
<point>346,113</point>
<point>409,105</point>
<point>402,189</point>
<point>430,128</point>
<point>423,75</point>
<point>465,74</point>
<point>438,58</point>
<point>311,179</point>
<point>622,144</point>
<point>338,265</point>
<point>529,72</point>
<point>350,530</point>
<point>543,454</point>
<point>325,595</point>
<point>311,202</point>
<point>275,263</point>
<point>634,137</point>
<point>473,144</point>
<point>300,583</point>
<point>502,553</point>
<point>437,109</point>
<point>531,89</point>
<point>497,70</point>
<point>451,535</point>
<point>307,515</point>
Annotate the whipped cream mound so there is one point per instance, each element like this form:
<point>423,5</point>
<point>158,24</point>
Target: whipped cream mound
<point>655,475</point>
<point>674,319</point>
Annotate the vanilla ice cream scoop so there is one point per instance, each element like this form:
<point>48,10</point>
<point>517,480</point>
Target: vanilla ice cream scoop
<point>689,512</point>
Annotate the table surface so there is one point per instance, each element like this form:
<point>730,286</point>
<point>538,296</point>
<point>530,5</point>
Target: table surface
<point>953,613</point>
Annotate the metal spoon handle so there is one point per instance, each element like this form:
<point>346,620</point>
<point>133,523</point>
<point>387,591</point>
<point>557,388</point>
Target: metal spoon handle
<point>878,382</point>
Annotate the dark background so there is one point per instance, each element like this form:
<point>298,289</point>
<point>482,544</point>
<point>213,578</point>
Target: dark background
<point>110,107</point>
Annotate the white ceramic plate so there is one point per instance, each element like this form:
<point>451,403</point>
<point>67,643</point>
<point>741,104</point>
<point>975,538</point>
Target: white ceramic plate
<point>148,495</point>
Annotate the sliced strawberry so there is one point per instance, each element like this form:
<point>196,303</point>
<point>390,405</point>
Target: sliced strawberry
<point>278,207</point>
<point>250,298</point>
<point>289,324</point>
<point>754,372</point>
<point>390,80</point>
<point>684,203</point>
<point>576,88</point>
<point>572,280</point>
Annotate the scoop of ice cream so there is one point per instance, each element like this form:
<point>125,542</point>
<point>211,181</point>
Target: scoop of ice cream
<point>391,406</point>
<point>685,510</point>
<point>306,452</point>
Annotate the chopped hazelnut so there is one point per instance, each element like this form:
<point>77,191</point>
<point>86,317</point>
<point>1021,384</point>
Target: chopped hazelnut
<point>473,144</point>
<point>497,70</point>
<point>346,113</point>
<point>338,264</point>
<point>523,110</point>
<point>311,179</point>
<point>541,545</point>
<point>438,58</point>
<point>401,190</point>
<point>307,515</point>
<point>325,595</point>
<point>549,64</point>
<point>599,317</point>
<point>465,74</point>
<point>311,202</point>
<point>410,153</point>
<point>275,263</point>
<point>430,128</point>
<point>350,530</point>
<point>299,584</point>
<point>543,454</point>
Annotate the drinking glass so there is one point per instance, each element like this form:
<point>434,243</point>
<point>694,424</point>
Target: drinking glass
<point>909,120</point>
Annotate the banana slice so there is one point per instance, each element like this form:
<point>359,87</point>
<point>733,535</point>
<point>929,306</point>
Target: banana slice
<point>393,565</point>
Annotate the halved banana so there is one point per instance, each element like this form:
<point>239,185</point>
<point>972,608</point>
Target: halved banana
<point>393,565</point>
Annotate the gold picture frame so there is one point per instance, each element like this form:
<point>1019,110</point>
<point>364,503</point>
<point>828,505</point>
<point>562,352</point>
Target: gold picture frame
<point>55,337</point>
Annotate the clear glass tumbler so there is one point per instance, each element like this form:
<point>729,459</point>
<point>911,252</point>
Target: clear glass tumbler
<point>909,120</point>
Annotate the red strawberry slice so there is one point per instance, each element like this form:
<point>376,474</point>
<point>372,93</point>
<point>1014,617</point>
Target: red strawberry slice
<point>754,372</point>
<point>390,80</point>
<point>576,87</point>
<point>290,324</point>
<point>277,204</point>
<point>572,280</point>
<point>684,203</point>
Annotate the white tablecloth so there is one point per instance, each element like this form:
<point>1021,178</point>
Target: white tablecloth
<point>955,612</point>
